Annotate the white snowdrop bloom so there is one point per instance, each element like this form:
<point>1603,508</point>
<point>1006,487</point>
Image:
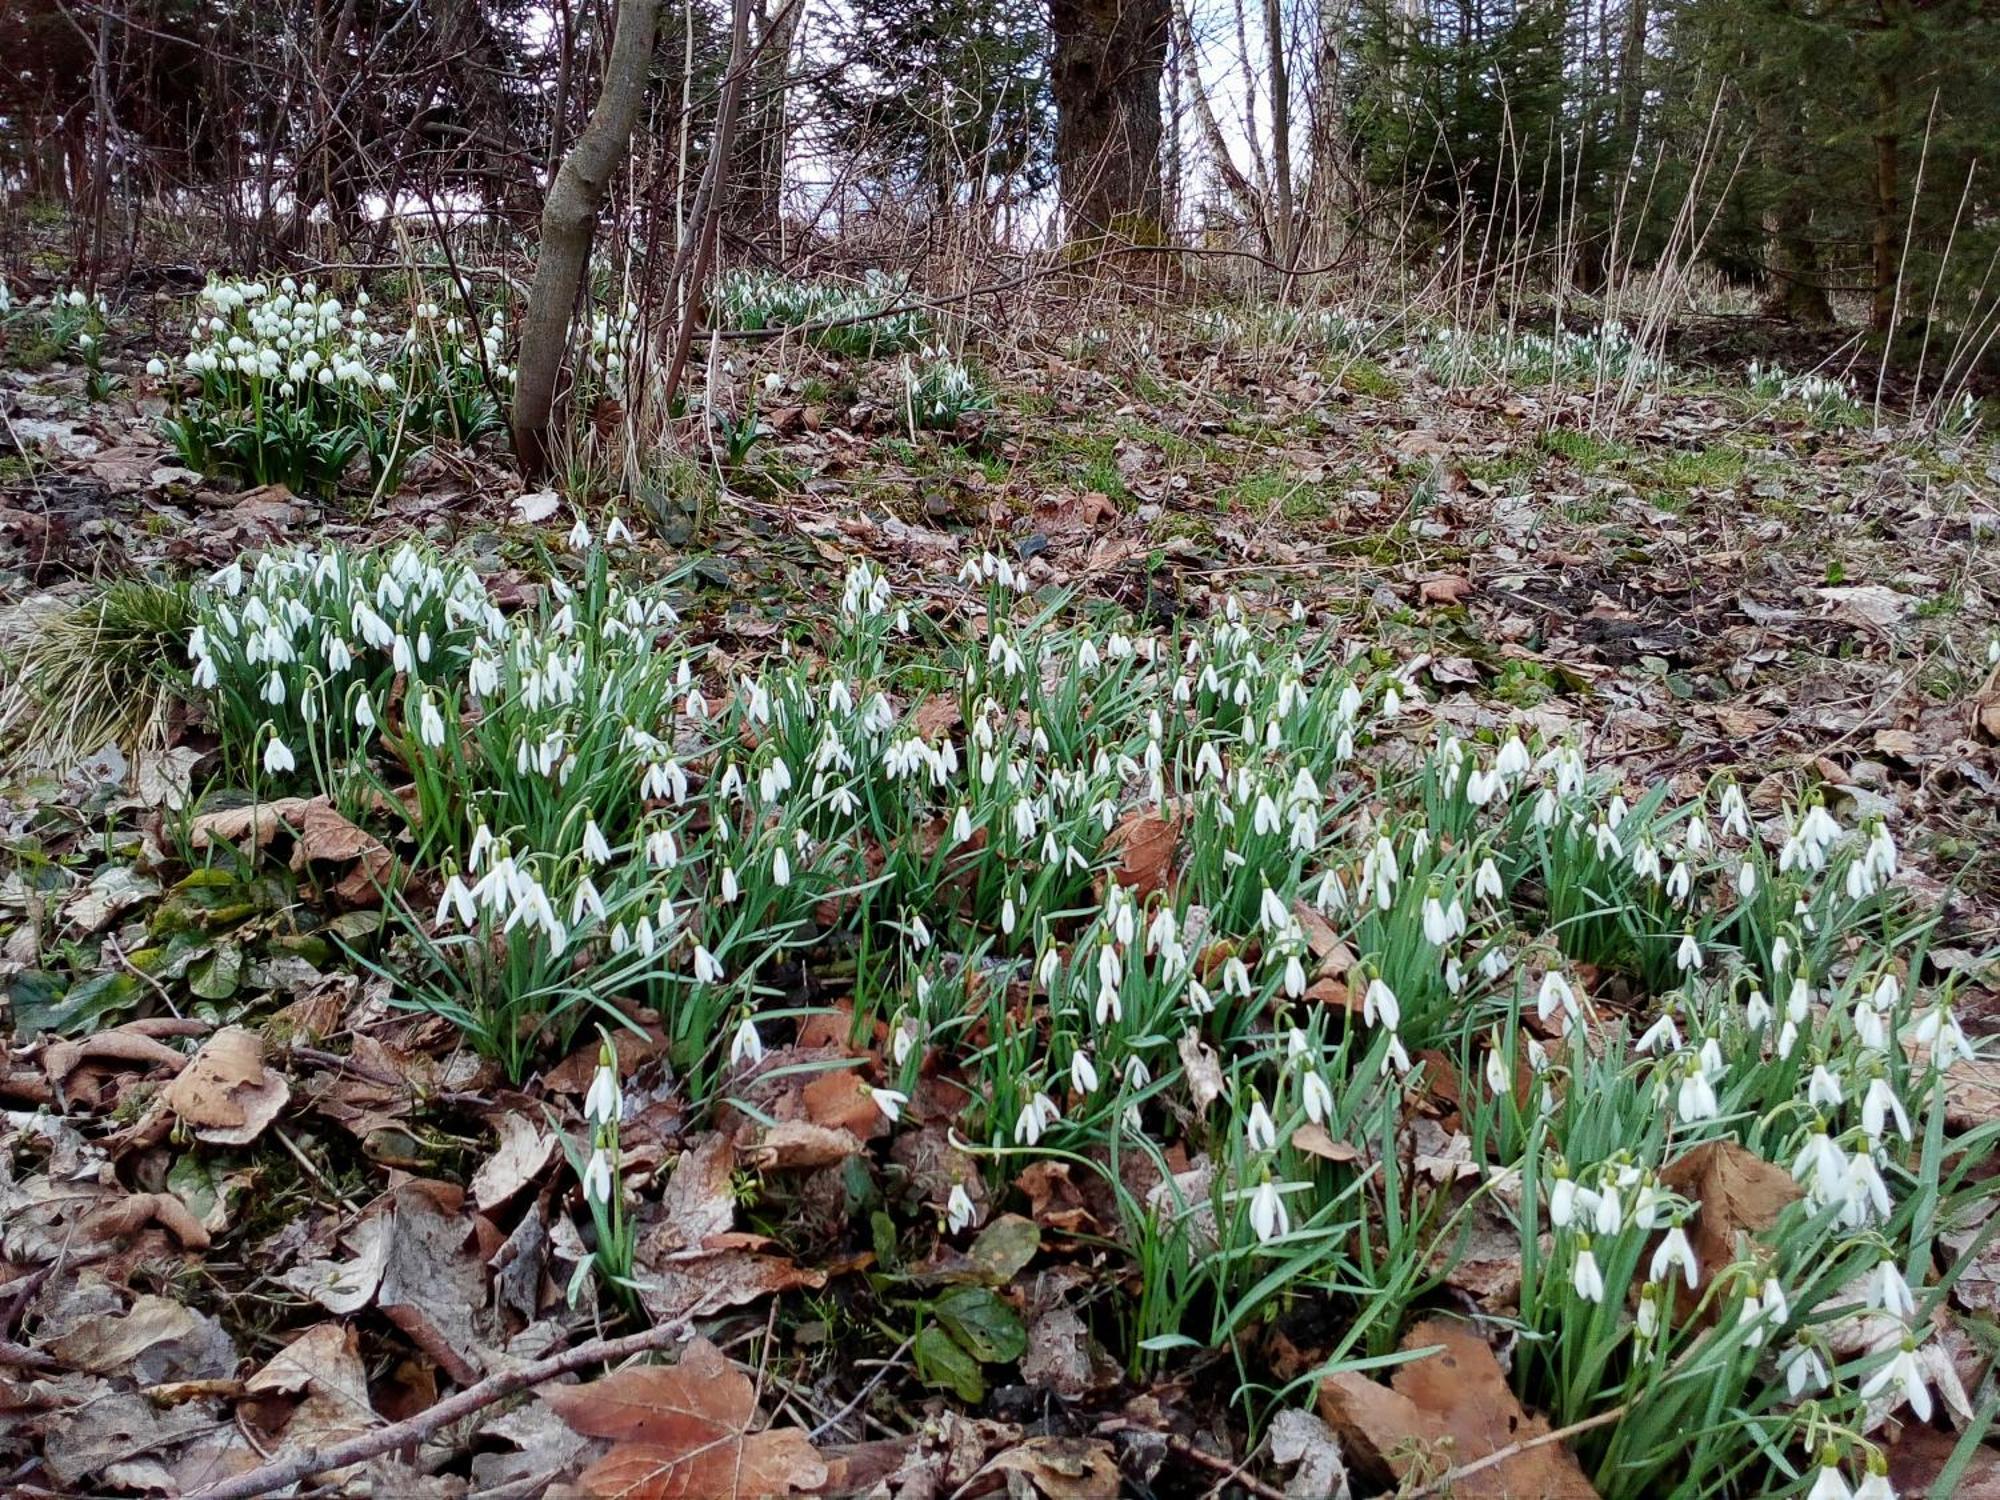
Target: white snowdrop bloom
<point>1486,882</point>
<point>585,898</point>
<point>278,758</point>
<point>1379,1005</point>
<point>1437,930</point>
<point>1563,1196</point>
<point>781,868</point>
<point>1829,1484</point>
<point>958,1209</point>
<point>1662,1036</point>
<point>1607,1210</point>
<point>595,849</point>
<point>1267,1212</point>
<point>1696,1099</point>
<point>1756,1011</point>
<point>1735,812</point>
<point>1823,1089</point>
<point>1888,1291</point>
<point>1496,1073</point>
<point>455,902</point>
<point>1674,1250</point>
<point>747,1046</point>
<point>1317,1097</point>
<point>1555,994</point>
<point>1902,1376</point>
<point>1680,882</point>
<point>1688,956</point>
<point>730,888</point>
<point>1258,1132</point>
<point>1082,1072</point>
<point>889,1101</point>
<point>707,970</point>
<point>597,1178</point>
<point>1803,1369</point>
<point>604,1104</point>
<point>1585,1276</point>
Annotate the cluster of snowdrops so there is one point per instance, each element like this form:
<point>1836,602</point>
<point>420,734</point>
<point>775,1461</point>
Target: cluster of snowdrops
<point>294,385</point>
<point>1353,899</point>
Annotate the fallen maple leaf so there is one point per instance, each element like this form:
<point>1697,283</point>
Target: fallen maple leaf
<point>683,1431</point>
<point>225,1094</point>
<point>1456,1400</point>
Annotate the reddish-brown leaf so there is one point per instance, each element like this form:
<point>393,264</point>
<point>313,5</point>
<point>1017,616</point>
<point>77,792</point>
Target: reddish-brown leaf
<point>681,1432</point>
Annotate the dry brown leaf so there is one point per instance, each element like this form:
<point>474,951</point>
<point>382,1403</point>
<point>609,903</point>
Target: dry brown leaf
<point>1449,1409</point>
<point>699,1286</point>
<point>1334,956</point>
<point>319,832</point>
<point>1063,1468</point>
<point>799,1145</point>
<point>225,1093</point>
<point>937,715</point>
<point>524,1152</point>
<point>1314,1141</point>
<point>839,1100</point>
<point>1737,1191</point>
<point>1444,588</point>
<point>324,1365</point>
<point>1917,1458</point>
<point>681,1432</point>
<point>1144,843</point>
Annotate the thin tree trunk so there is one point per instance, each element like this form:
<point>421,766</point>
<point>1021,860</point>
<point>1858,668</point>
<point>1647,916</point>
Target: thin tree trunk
<point>1887,263</point>
<point>569,223</point>
<point>1248,204</point>
<point>1284,231</point>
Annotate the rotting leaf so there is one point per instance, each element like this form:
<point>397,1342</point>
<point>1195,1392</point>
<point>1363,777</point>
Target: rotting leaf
<point>320,832</point>
<point>1204,1070</point>
<point>681,1432</point>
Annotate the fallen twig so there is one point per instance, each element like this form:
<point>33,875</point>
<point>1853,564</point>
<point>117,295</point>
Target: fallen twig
<point>273,1476</point>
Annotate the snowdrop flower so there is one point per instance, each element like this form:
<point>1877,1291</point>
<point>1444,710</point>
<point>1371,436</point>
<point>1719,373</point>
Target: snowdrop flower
<point>456,901</point>
<point>1888,1291</point>
<point>1267,1212</point>
<point>1803,1368</point>
<point>1317,1097</point>
<point>1688,956</point>
<point>889,1101</point>
<point>1903,1376</point>
<point>1082,1072</point>
<point>597,1178</point>
<point>604,1105</point>
<point>1823,1091</point>
<point>1585,1277</point>
<point>278,758</point>
<point>1258,1132</point>
<point>1486,882</point>
<point>1696,1099</point>
<point>781,868</point>
<point>1878,1106</point>
<point>1562,1199</point>
<point>1875,1485</point>
<point>1735,812</point>
<point>747,1046</point>
<point>1379,1005</point>
<point>1555,994</point>
<point>1673,1251</point>
<point>706,969</point>
<point>958,1209</point>
<point>1830,1484</point>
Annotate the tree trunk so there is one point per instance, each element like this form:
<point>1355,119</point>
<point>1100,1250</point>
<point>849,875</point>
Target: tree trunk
<point>1797,293</point>
<point>757,174</point>
<point>569,222</point>
<point>1105,75</point>
<point>1284,231</point>
<point>1249,206</point>
<point>1887,262</point>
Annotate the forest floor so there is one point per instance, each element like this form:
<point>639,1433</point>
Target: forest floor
<point>1699,583</point>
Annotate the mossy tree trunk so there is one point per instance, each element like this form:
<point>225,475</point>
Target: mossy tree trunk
<point>1105,75</point>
